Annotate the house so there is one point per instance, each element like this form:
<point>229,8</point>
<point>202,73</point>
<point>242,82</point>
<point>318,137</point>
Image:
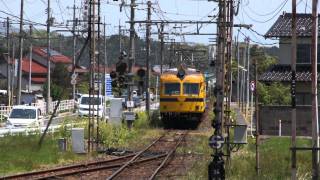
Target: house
<point>270,116</point>
<point>281,72</point>
<point>37,67</point>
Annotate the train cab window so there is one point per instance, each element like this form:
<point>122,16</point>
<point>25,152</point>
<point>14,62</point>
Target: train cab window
<point>191,88</point>
<point>172,88</point>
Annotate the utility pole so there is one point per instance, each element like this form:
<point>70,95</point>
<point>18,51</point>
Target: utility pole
<point>92,67</point>
<point>161,47</point>
<point>74,24</point>
<point>238,74</point>
<point>131,61</point>
<point>20,55</point>
<point>148,29</point>
<point>30,58</point>
<point>243,84</point>
<point>105,64</point>
<point>314,96</point>
<point>248,77</point>
<point>257,118</point>
<point>48,61</point>
<point>99,75</point>
<point>132,37</point>
<point>293,90</point>
<point>13,70</point>
<point>120,39</point>
<point>216,168</point>
<point>8,63</point>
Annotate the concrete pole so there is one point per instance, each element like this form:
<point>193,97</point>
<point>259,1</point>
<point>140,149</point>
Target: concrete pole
<point>30,57</point>
<point>8,64</point>
<point>20,54</point>
<point>104,67</point>
<point>257,119</point>
<point>48,61</point>
<point>161,48</point>
<point>314,95</point>
<point>74,23</point>
<point>132,48</point>
<point>248,77</point>
<point>238,73</point>
<point>293,89</point>
<point>148,59</point>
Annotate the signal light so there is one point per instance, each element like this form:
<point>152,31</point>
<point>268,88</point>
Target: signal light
<point>113,74</point>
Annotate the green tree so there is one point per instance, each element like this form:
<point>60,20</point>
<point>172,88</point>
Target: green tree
<point>274,94</point>
<point>60,83</point>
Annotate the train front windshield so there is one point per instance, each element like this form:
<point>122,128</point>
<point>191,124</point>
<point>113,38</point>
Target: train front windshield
<point>191,88</point>
<point>172,88</point>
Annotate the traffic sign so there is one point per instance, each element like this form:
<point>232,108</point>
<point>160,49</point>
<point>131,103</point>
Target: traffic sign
<point>108,86</point>
<point>252,86</point>
<point>73,81</point>
<point>216,141</point>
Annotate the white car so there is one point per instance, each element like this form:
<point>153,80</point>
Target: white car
<point>25,116</point>
<point>96,103</point>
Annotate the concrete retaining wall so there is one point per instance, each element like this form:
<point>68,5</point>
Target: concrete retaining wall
<point>269,117</point>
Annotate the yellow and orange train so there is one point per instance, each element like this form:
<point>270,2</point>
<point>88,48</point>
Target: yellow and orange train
<point>182,96</point>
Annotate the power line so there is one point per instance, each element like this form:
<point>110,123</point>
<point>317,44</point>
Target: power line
<point>269,13</point>
<point>264,21</point>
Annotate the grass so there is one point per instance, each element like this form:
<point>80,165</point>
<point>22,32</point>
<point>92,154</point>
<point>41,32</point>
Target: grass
<point>274,159</point>
<point>21,153</point>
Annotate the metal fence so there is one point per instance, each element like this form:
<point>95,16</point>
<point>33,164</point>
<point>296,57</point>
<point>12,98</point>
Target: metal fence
<point>65,105</point>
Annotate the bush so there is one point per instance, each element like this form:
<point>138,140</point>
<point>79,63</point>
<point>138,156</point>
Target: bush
<point>113,136</point>
<point>142,121</point>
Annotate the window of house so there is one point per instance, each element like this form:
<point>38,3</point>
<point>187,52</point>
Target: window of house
<point>303,53</point>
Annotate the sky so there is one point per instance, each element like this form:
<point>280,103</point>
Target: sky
<point>260,13</point>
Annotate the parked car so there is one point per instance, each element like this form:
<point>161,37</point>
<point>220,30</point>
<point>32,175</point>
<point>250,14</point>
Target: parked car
<point>25,116</point>
<point>97,105</point>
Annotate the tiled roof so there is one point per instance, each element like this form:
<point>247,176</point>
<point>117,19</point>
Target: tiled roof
<point>39,80</point>
<point>282,27</point>
<point>55,57</point>
<point>283,73</point>
<point>35,67</point>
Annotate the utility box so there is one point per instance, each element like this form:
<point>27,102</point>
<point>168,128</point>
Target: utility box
<point>240,134</point>
<point>77,138</point>
<point>115,111</point>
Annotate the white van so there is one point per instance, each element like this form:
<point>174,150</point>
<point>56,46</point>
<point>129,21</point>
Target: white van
<point>25,116</point>
<point>96,103</point>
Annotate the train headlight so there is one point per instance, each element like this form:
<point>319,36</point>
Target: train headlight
<point>181,73</point>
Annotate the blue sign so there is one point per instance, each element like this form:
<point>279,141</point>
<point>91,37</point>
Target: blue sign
<point>108,87</point>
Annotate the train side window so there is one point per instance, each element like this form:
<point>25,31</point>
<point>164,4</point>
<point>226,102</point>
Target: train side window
<point>191,88</point>
<point>172,88</point>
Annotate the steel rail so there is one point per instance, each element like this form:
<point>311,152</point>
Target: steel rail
<point>64,168</point>
<point>133,159</point>
<point>167,157</point>
<point>100,168</point>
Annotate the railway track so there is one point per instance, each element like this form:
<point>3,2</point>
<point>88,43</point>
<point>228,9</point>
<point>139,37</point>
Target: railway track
<point>156,154</point>
<point>167,144</point>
